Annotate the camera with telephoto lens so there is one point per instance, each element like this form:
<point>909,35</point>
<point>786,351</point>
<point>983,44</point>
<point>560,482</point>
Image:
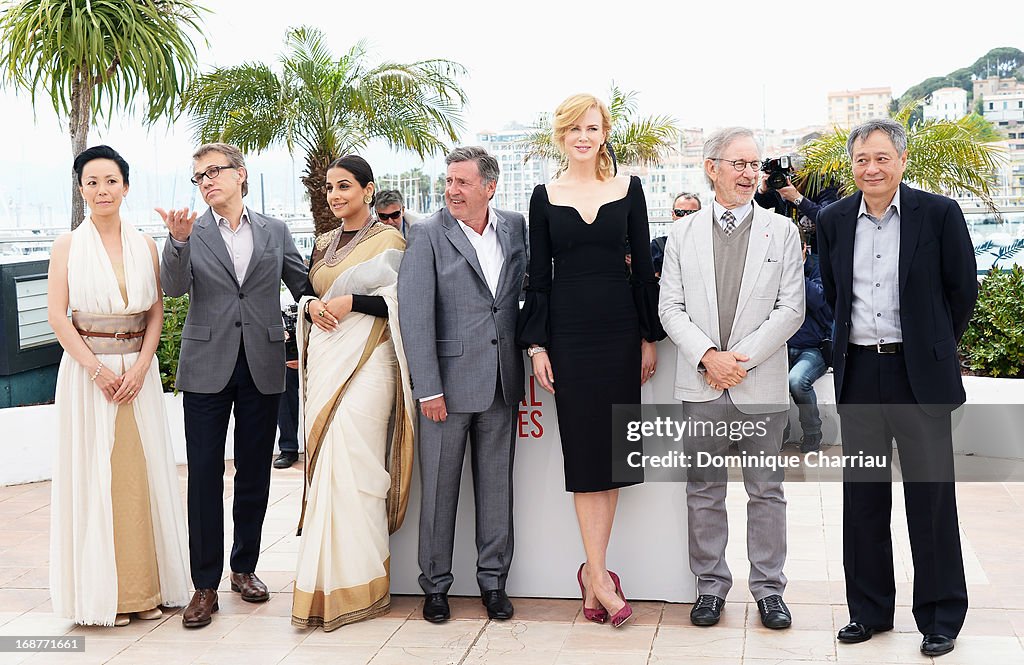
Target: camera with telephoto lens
<point>290,314</point>
<point>779,170</point>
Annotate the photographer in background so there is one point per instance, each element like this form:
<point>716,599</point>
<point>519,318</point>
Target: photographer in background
<point>288,409</point>
<point>810,355</point>
<point>777,192</point>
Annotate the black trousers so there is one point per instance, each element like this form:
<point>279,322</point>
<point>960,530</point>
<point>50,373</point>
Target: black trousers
<point>878,406</point>
<point>288,414</point>
<point>206,426</point>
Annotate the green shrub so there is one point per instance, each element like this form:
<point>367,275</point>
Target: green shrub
<point>175,310</point>
<point>994,342</point>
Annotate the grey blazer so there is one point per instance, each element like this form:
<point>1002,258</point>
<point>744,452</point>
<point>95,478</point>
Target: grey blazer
<point>769,310</point>
<point>456,333</point>
<point>222,312</point>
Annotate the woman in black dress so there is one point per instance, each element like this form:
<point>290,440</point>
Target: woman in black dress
<point>591,326</point>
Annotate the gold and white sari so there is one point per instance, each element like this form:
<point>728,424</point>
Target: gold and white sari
<point>358,423</point>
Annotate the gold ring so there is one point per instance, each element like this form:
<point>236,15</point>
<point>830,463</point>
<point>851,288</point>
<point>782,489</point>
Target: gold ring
<point>131,392</point>
<point>323,312</point>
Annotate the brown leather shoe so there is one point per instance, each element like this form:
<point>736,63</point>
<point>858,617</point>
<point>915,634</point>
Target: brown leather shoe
<point>200,609</point>
<point>252,589</point>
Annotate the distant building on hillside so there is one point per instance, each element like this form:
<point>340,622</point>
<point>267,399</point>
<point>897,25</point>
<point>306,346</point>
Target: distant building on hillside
<point>517,179</point>
<point>946,104</point>
<point>848,108</point>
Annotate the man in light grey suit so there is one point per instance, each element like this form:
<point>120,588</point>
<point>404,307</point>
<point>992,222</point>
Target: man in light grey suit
<point>732,293</point>
<point>231,263</point>
<point>459,289</point>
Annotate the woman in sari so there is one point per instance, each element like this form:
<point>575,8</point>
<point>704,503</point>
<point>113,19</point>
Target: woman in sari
<point>117,531</point>
<point>358,411</point>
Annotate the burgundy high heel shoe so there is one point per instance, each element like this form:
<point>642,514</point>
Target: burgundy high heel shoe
<point>620,618</point>
<point>598,615</point>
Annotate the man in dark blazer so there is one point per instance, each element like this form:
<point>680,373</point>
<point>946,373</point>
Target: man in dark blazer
<point>898,269</point>
<point>459,289</point>
<point>231,262</point>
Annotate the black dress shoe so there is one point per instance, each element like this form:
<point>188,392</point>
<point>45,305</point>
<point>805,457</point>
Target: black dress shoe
<point>934,644</point>
<point>285,460</point>
<point>707,610</point>
<point>854,633</point>
<point>498,605</point>
<point>435,608</point>
<point>774,613</point>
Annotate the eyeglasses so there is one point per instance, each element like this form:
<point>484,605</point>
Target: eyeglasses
<point>682,213</point>
<point>740,164</point>
<point>389,216</point>
<point>210,173</point>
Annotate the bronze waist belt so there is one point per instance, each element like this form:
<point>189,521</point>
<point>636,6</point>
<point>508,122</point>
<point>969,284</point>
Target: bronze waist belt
<point>116,335</point>
<point>110,333</point>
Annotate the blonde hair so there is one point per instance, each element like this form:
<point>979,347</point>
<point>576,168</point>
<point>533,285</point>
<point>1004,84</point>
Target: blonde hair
<point>568,114</point>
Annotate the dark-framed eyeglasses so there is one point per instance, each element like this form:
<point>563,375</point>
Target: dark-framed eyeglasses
<point>211,173</point>
<point>389,216</point>
<point>682,213</point>
<point>740,164</point>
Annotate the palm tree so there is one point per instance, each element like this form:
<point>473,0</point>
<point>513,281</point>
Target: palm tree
<point>92,57</point>
<point>636,141</point>
<point>954,156</point>
<point>328,106</point>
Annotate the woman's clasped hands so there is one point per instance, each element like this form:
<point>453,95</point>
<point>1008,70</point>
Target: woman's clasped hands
<point>121,388</point>
<point>326,315</point>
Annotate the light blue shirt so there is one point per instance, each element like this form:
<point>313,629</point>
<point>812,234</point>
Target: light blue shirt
<point>875,308</point>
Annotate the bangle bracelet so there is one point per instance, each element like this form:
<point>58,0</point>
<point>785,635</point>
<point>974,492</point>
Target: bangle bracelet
<point>99,368</point>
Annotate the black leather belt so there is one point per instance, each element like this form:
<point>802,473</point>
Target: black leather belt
<point>891,347</point>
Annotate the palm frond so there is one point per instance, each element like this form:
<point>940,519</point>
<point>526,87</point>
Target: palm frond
<point>645,141</point>
<point>246,105</point>
<point>947,156</point>
<point>120,50</point>
<point>1009,251</point>
<point>983,247</point>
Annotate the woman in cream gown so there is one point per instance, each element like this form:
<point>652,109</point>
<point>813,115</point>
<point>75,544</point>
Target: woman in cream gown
<point>117,531</point>
<point>357,408</point>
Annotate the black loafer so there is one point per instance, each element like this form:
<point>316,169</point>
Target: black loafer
<point>435,608</point>
<point>934,644</point>
<point>774,613</point>
<point>854,633</point>
<point>285,460</point>
<point>498,605</point>
<point>707,610</point>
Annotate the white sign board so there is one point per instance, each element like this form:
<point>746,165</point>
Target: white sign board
<point>649,541</point>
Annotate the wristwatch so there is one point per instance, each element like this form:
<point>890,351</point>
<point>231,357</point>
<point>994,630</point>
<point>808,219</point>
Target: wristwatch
<point>534,350</point>
<point>798,200</point>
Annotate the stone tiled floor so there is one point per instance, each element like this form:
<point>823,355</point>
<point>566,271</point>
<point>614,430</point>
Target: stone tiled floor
<point>550,632</point>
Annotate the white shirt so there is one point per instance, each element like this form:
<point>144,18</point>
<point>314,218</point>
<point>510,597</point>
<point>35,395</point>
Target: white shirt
<point>488,250</point>
<point>489,254</point>
<point>739,212</point>
<point>238,242</point>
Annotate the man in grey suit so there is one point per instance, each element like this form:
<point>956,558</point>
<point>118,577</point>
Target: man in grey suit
<point>231,263</point>
<point>459,289</point>
<point>732,293</point>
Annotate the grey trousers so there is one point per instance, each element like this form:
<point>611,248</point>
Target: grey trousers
<point>766,505</point>
<point>491,436</point>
